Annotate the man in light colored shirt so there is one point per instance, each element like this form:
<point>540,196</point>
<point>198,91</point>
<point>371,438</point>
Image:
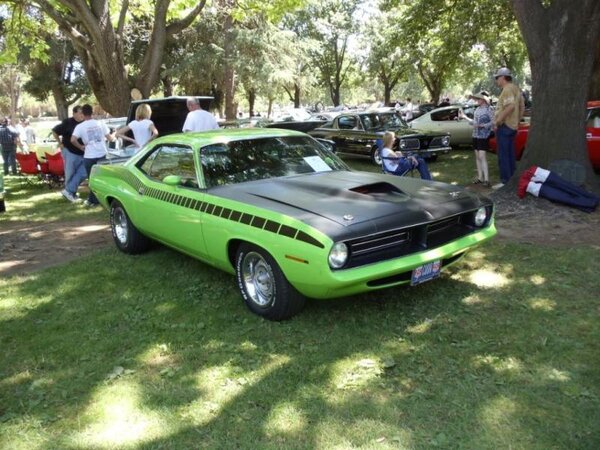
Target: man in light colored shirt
<point>408,110</point>
<point>198,119</point>
<point>509,110</point>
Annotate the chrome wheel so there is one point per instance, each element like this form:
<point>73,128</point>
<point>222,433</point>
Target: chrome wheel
<point>120,225</point>
<point>376,156</point>
<point>258,279</point>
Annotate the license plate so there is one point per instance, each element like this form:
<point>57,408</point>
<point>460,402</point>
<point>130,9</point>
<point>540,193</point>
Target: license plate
<point>425,272</point>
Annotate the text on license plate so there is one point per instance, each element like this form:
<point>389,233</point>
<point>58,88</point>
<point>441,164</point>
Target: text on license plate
<point>426,272</point>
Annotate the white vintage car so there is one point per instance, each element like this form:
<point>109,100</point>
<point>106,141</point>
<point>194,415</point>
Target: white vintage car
<point>447,120</point>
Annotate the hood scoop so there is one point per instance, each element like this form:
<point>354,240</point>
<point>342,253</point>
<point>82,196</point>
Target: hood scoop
<point>376,189</point>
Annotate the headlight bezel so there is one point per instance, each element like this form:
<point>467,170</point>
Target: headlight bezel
<point>338,255</point>
<point>446,141</point>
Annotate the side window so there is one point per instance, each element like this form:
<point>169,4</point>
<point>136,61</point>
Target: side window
<point>216,164</point>
<point>346,122</point>
<point>594,118</point>
<point>444,115</point>
<point>172,160</point>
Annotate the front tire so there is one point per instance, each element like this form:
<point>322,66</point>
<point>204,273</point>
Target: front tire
<point>263,285</point>
<point>127,237</point>
<point>376,156</point>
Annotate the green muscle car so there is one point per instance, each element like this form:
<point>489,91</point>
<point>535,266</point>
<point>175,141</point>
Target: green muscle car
<point>285,215</point>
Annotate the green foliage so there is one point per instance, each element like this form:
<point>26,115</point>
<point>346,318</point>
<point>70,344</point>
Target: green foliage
<point>22,26</point>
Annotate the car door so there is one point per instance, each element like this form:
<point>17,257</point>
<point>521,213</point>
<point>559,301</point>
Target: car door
<point>447,120</point>
<point>593,136</point>
<point>172,212</point>
<point>350,132</point>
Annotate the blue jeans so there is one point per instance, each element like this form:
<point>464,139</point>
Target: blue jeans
<point>505,139</point>
<point>75,171</point>
<point>10,160</point>
<point>405,164</point>
<point>89,163</point>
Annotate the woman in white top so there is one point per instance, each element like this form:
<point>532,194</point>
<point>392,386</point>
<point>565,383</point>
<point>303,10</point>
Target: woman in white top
<point>394,162</point>
<point>142,127</point>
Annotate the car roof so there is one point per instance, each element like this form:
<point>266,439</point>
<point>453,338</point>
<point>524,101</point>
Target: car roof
<point>204,138</point>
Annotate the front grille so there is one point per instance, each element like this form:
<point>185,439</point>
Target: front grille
<point>411,144</point>
<point>405,241</point>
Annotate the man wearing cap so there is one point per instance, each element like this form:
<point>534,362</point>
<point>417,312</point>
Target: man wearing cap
<point>508,113</point>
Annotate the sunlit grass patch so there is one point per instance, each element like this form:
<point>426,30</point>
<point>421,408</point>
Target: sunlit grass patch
<point>117,417</point>
<point>542,304</point>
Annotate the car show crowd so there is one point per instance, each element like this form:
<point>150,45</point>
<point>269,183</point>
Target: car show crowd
<point>84,141</point>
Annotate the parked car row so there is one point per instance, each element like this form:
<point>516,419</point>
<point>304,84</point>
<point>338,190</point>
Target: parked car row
<point>360,134</point>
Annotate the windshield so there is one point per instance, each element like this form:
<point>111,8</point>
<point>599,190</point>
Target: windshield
<point>382,121</point>
<point>258,159</point>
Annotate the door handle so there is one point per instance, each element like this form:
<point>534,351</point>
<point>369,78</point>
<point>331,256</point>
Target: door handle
<point>588,135</point>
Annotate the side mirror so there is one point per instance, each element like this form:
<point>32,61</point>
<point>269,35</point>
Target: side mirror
<point>172,180</point>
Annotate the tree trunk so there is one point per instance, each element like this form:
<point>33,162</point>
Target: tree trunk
<point>167,86</point>
<point>334,91</point>
<point>98,42</point>
<point>14,92</point>
<point>229,72</point>
<point>559,39</point>
<point>387,94</point>
<point>62,106</point>
<point>296,95</point>
<point>594,92</point>
<point>270,107</point>
<point>251,101</point>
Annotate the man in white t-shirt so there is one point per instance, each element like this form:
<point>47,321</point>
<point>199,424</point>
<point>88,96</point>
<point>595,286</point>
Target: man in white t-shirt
<point>408,110</point>
<point>94,135</point>
<point>198,119</point>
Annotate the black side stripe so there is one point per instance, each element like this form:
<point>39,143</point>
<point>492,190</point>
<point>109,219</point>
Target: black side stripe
<point>220,211</point>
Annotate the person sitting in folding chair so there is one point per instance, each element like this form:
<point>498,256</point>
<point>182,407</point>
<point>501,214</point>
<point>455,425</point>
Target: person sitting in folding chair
<point>396,163</point>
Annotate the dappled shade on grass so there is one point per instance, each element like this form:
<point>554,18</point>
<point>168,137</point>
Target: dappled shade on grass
<point>159,350</point>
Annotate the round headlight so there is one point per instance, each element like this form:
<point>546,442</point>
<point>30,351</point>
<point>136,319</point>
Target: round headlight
<point>338,255</point>
<point>480,217</point>
<point>445,141</point>
<point>402,143</point>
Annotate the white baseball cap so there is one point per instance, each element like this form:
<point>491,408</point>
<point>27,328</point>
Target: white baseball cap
<point>503,72</point>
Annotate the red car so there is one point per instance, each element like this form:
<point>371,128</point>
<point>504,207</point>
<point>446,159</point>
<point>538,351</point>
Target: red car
<point>592,134</point>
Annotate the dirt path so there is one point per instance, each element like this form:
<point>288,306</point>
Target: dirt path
<point>26,247</point>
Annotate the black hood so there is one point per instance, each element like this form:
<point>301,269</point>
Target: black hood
<point>343,204</point>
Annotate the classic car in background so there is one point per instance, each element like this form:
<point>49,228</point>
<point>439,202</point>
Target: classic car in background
<point>287,216</point>
<point>592,135</point>
<point>360,133</point>
<point>447,120</point>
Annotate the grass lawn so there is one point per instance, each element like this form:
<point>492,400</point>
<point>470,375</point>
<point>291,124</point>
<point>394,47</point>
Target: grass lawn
<point>158,351</point>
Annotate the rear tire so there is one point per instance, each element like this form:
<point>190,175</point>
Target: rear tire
<point>127,237</point>
<point>263,285</point>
